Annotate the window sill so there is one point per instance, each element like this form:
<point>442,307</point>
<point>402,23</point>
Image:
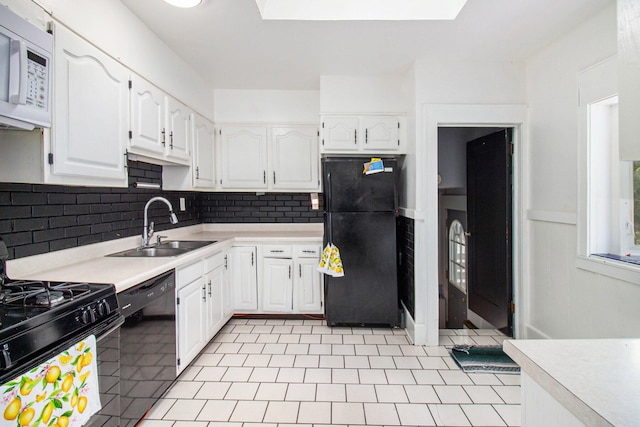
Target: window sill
<point>617,268</point>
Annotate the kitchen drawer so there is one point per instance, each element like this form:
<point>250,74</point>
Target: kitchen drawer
<point>306,251</point>
<point>210,263</point>
<point>276,251</point>
<point>186,275</point>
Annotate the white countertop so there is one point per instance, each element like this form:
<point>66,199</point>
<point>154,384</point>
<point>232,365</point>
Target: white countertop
<point>89,264</point>
<point>597,380</point>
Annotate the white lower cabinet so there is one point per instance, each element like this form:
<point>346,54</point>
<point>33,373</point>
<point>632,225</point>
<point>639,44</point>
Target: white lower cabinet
<point>308,286</point>
<point>190,316</point>
<point>277,285</point>
<point>244,278</point>
<point>227,287</point>
<point>200,304</point>
<point>290,281</point>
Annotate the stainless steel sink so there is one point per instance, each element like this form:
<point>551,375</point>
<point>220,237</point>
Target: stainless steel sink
<point>166,249</point>
<point>185,244</point>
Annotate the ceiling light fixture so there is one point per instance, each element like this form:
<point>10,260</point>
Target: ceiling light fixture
<point>360,10</point>
<point>184,3</point>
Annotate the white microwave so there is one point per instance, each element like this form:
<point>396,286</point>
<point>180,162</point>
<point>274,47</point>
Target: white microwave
<point>25,73</point>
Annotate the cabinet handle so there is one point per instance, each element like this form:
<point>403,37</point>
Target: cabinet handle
<point>209,288</point>
<point>306,251</point>
<point>163,137</point>
<point>264,177</point>
<point>366,136</point>
<point>289,272</point>
<point>171,136</point>
<point>197,172</point>
<point>225,262</point>
<point>276,251</point>
<point>252,258</point>
<point>274,177</point>
<point>355,136</point>
<point>204,293</point>
<point>300,270</point>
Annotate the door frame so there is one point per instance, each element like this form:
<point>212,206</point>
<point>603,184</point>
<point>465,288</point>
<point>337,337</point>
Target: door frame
<point>423,329</point>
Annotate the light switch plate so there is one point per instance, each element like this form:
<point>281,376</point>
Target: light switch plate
<point>183,205</point>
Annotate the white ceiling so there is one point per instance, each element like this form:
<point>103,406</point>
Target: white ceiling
<point>228,43</point>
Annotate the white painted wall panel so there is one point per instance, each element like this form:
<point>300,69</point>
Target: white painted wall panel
<point>565,301</point>
<point>362,94</point>
<point>267,106</point>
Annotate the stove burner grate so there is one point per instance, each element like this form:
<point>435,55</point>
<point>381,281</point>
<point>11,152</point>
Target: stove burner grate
<point>37,294</point>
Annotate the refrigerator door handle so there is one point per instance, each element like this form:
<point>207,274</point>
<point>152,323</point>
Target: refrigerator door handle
<point>327,191</point>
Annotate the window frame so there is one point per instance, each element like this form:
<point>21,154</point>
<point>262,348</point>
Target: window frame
<point>457,239</point>
<point>595,84</point>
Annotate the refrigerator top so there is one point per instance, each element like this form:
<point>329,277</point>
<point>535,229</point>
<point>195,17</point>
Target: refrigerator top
<point>348,189</point>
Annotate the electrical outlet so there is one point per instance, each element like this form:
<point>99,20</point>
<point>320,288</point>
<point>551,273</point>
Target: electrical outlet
<point>183,204</point>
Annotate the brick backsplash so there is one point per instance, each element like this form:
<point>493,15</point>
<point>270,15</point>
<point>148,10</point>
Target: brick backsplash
<point>406,282</point>
<point>36,218</point>
<point>250,207</point>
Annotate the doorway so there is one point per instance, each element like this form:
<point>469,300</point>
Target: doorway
<point>475,235</point>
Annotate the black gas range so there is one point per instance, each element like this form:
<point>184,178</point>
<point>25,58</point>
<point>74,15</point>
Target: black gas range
<point>39,319</point>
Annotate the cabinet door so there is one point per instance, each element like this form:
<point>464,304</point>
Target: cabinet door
<point>227,287</point>
<point>380,133</point>
<point>244,157</point>
<point>191,321</point>
<point>214,300</point>
<point>178,138</point>
<point>295,159</point>
<point>244,279</point>
<point>147,118</point>
<point>339,134</point>
<point>90,115</point>
<point>277,285</point>
<point>203,157</point>
<point>308,286</point>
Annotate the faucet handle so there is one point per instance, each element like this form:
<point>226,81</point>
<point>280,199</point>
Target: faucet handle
<point>150,230</point>
<point>159,238</point>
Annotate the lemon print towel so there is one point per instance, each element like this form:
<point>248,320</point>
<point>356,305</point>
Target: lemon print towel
<point>62,392</point>
<point>331,262</point>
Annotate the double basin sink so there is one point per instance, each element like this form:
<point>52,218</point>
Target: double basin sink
<point>166,249</point>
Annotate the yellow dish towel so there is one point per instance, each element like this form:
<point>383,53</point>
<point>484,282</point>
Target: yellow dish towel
<point>331,262</point>
<point>62,391</point>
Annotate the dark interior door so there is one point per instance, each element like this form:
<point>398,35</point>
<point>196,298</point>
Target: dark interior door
<point>489,217</point>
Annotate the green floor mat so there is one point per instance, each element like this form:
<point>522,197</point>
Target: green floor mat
<point>489,359</point>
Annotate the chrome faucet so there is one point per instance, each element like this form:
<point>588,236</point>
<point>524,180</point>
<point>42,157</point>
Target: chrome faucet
<point>147,232</point>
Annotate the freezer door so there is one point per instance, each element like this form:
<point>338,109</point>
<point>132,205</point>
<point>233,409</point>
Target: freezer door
<point>347,189</point>
<point>368,292</point>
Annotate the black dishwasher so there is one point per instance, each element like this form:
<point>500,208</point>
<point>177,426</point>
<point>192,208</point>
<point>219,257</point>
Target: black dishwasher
<point>147,345</point>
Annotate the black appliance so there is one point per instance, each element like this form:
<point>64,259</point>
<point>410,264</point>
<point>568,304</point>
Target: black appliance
<point>148,363</point>
<point>40,319</point>
<point>360,219</point>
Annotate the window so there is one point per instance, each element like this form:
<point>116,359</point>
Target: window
<point>613,189</point>
<point>457,256</point>
<point>608,188</point>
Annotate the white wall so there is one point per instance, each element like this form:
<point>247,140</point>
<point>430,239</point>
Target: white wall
<point>362,94</point>
<point>267,106</point>
<point>565,301</point>
<point>112,27</point>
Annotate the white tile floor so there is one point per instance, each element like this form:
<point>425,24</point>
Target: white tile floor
<point>300,372</point>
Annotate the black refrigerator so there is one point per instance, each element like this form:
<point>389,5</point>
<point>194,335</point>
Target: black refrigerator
<point>360,220</point>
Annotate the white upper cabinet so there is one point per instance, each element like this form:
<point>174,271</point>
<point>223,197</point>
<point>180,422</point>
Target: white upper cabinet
<point>277,158</point>
<point>147,118</point>
<point>179,131</point>
<point>90,115</point>
<point>204,138</point>
<point>364,134</point>
<point>243,157</point>
<point>160,125</point>
<point>339,134</point>
<point>295,158</point>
